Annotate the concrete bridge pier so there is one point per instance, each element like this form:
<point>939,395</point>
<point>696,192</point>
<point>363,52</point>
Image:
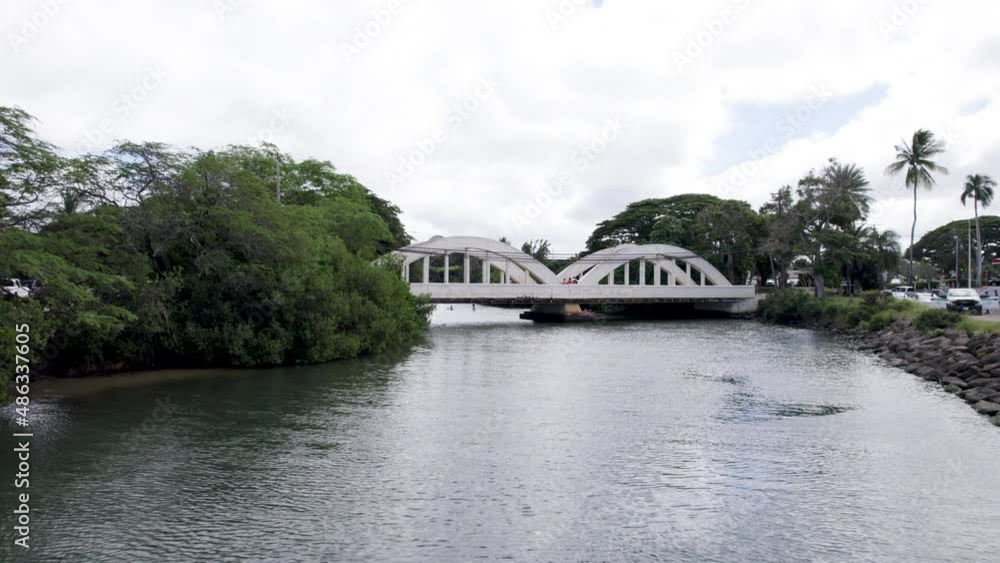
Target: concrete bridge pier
<point>557,313</point>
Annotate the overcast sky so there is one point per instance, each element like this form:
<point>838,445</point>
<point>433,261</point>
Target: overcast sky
<point>527,118</point>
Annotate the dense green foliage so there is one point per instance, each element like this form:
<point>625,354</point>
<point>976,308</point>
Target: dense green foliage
<point>937,319</point>
<point>820,224</point>
<point>722,231</point>
<point>150,256</point>
<point>869,312</point>
<point>937,247</point>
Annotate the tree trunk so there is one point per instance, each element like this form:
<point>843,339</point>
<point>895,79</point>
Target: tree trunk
<point>979,247</point>
<point>820,285</point>
<point>913,231</point>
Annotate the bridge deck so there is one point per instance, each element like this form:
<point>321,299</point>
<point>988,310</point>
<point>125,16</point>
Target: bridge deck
<point>517,294</point>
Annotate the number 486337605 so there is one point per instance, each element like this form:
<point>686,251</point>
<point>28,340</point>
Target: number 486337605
<point>22,368</point>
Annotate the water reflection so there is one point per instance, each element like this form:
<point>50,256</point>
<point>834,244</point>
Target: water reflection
<point>695,440</point>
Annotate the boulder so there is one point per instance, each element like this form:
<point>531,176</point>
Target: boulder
<point>972,395</point>
<point>929,373</point>
<point>996,420</point>
<point>987,408</point>
<point>952,388</point>
<point>981,382</point>
<point>960,383</point>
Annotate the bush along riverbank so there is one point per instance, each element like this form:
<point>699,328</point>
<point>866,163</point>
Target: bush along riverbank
<point>151,257</point>
<point>959,353</point>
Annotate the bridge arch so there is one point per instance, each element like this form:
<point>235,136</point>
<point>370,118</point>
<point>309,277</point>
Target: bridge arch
<point>665,258</point>
<point>517,266</point>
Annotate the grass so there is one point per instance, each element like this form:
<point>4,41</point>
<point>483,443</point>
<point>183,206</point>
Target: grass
<point>974,325</point>
<point>870,312</point>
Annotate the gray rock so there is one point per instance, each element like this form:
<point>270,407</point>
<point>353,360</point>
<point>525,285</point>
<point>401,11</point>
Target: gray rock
<point>972,395</point>
<point>952,388</point>
<point>981,382</point>
<point>996,420</point>
<point>960,383</point>
<point>928,372</point>
<point>987,408</point>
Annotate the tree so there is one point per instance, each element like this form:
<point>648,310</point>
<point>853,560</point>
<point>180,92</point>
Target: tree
<point>916,158</point>
<point>829,207</point>
<point>781,233</point>
<point>980,189</point>
<point>29,169</point>
<point>884,247</point>
<point>537,249</point>
<point>664,221</point>
<point>150,256</point>
<point>937,247</point>
<point>847,188</point>
<point>727,234</point>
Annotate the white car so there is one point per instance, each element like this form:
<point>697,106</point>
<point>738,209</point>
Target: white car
<point>964,299</point>
<point>903,292</point>
<point>11,287</point>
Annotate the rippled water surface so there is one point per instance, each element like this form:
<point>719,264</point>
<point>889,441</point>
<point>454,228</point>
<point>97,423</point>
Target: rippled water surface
<point>497,439</point>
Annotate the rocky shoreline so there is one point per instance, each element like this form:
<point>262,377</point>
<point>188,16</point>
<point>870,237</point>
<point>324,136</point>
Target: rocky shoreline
<point>966,366</point>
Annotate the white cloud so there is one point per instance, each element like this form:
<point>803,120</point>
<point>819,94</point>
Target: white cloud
<point>227,76</point>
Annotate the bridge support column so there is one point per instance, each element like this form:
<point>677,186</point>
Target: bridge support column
<point>642,272</point>
<point>465,269</point>
<point>627,272</point>
<point>557,313</point>
<point>427,269</point>
<point>611,277</point>
<point>447,268</point>
<point>656,274</point>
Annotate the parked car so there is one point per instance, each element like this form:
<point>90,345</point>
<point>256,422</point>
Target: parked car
<point>964,299</point>
<point>904,292</point>
<point>11,288</point>
<point>33,286</point>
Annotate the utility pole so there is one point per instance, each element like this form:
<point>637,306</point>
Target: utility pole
<point>957,273</point>
<point>277,166</point>
<point>970,252</point>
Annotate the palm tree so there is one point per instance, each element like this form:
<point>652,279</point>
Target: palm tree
<point>980,189</point>
<point>885,251</point>
<point>848,188</point>
<point>916,159</point>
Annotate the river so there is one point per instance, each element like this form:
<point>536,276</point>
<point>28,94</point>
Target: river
<point>496,439</point>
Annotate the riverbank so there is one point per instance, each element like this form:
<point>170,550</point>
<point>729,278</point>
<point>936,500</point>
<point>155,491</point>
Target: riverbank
<point>959,353</point>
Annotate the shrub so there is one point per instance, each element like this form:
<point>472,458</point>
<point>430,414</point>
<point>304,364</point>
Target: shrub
<point>937,319</point>
<point>880,321</point>
<point>789,306</point>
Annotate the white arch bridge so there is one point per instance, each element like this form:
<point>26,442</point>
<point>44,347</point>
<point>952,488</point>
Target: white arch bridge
<point>481,270</point>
